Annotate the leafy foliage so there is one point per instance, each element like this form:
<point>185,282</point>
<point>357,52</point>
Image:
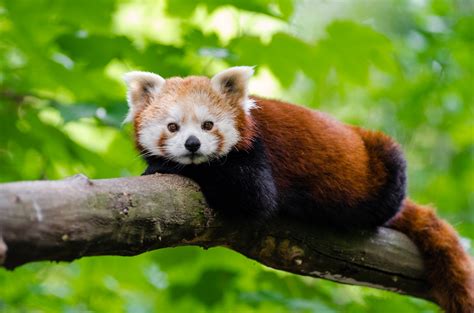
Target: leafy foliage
<point>404,67</point>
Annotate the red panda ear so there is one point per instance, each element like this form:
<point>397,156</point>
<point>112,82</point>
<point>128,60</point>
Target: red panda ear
<point>141,88</point>
<point>233,82</point>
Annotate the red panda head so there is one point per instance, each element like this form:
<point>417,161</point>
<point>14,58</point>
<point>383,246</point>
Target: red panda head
<point>193,119</point>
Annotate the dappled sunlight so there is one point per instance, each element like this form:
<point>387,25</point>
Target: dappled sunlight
<point>404,68</point>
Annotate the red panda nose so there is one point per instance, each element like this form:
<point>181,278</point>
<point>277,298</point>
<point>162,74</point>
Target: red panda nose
<point>192,144</point>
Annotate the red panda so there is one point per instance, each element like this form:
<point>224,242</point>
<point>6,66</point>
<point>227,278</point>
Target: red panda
<point>257,158</point>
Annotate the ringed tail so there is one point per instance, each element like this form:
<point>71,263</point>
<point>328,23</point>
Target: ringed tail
<point>449,268</point>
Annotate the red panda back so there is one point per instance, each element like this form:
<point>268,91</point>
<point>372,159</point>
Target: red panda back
<point>341,167</point>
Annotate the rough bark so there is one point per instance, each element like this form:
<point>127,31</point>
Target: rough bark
<point>68,219</point>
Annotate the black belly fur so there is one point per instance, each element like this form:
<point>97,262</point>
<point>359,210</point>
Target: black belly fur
<point>241,185</point>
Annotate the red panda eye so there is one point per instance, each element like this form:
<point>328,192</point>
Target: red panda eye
<point>207,125</point>
<point>173,127</point>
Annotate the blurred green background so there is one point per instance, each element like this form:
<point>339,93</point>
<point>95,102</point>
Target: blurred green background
<point>404,67</point>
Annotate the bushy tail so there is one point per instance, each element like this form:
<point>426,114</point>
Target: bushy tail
<point>450,269</point>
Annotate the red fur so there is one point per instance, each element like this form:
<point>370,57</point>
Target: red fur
<point>340,164</point>
<point>220,140</point>
<point>162,143</point>
<point>307,141</point>
<point>137,124</point>
<point>449,268</point>
<point>302,141</point>
<point>246,128</point>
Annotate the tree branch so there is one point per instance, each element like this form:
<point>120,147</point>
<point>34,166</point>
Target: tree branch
<point>68,219</point>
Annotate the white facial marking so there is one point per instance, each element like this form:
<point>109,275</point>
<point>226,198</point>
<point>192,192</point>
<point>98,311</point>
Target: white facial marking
<point>149,136</point>
<point>189,112</point>
<point>248,105</point>
<point>190,124</point>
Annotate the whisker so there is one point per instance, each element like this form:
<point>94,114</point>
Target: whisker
<point>145,153</point>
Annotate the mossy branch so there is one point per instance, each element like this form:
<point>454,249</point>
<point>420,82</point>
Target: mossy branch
<point>76,217</point>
